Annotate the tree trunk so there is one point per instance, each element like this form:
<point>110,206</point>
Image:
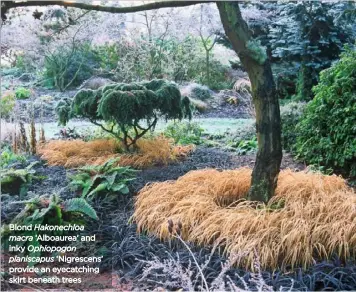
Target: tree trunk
<point>207,67</point>
<point>268,122</point>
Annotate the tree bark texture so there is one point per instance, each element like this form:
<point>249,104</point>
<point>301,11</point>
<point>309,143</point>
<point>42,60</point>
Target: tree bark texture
<point>268,121</point>
<point>6,5</point>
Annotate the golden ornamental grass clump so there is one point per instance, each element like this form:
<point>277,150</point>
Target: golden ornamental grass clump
<point>311,217</point>
<point>76,153</point>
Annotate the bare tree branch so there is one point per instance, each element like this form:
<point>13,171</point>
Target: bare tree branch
<point>130,9</point>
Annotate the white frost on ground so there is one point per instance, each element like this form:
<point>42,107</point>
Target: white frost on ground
<point>5,130</point>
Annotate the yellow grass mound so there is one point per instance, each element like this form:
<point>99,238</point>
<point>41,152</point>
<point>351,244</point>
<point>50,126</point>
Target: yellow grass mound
<point>75,153</point>
<point>311,217</point>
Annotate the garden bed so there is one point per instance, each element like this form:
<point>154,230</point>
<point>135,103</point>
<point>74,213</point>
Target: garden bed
<point>131,252</point>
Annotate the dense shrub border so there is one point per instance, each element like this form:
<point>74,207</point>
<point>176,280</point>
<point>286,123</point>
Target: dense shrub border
<point>327,129</point>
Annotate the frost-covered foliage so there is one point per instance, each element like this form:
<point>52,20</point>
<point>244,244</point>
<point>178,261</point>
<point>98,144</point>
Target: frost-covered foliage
<point>291,114</point>
<point>7,104</point>
<point>307,37</point>
<point>33,33</point>
<point>75,44</point>
<point>172,274</point>
<point>132,109</point>
<point>301,39</point>
<point>184,133</point>
<point>197,91</point>
<point>70,65</point>
<point>172,44</point>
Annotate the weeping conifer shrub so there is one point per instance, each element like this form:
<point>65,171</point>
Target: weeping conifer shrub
<point>131,110</point>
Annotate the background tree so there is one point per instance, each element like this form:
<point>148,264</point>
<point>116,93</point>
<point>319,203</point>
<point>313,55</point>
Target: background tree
<point>165,31</point>
<point>54,31</point>
<point>301,38</point>
<point>307,37</point>
<point>78,44</point>
<point>208,31</point>
<point>157,25</point>
<point>268,124</point>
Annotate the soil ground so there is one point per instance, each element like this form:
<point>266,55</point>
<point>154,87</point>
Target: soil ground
<point>201,158</point>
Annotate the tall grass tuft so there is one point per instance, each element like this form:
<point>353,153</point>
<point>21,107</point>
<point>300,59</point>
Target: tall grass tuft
<point>311,217</point>
<point>75,153</point>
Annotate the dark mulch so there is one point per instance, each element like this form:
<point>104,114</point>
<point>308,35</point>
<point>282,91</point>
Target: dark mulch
<point>47,180</point>
<point>204,157</point>
<point>53,179</point>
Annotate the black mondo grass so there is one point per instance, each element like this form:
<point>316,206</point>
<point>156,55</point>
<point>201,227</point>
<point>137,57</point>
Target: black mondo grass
<point>130,253</point>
